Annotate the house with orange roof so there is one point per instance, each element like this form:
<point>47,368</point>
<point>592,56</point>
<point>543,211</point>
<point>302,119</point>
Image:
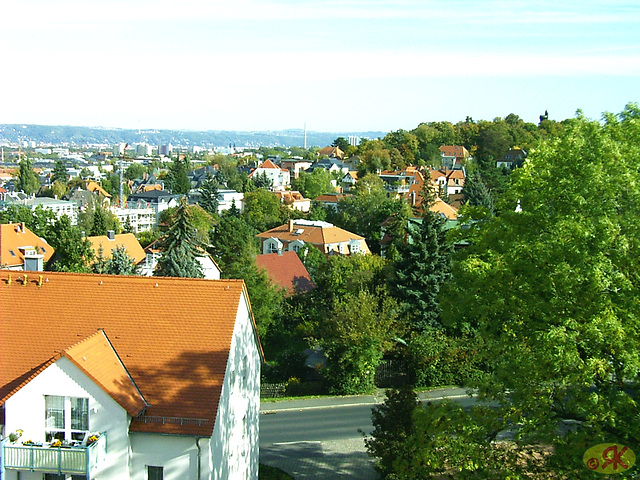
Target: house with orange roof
<point>349,180</point>
<point>294,200</point>
<point>331,152</point>
<point>114,377</point>
<point>448,181</point>
<point>331,200</point>
<point>453,155</point>
<point>286,270</point>
<point>280,177</point>
<point>326,237</point>
<point>21,249</point>
<point>105,245</point>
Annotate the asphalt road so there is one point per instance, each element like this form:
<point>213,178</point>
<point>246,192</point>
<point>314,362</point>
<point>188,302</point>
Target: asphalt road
<point>315,424</point>
<point>320,438</point>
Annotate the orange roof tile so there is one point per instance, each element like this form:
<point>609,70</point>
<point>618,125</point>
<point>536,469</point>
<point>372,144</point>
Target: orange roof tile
<point>13,236</point>
<point>126,240</point>
<point>172,334</point>
<point>96,357</point>
<point>286,270</point>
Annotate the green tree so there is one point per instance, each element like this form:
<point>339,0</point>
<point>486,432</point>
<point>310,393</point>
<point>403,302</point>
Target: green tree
<point>120,263</point>
<point>475,193</point>
<point>233,245</point>
<point>99,222</point>
<point>341,142</point>
<point>421,268</point>
<point>209,195</point>
<point>59,173</point>
<point>40,220</point>
<point>314,184</point>
<point>177,180</point>
<point>355,336</point>
<point>367,209</point>
<point>262,210</point>
<point>180,247</point>
<point>552,289</point>
<point>134,171</point>
<point>73,252</point>
<point>392,426</point>
<point>27,180</point>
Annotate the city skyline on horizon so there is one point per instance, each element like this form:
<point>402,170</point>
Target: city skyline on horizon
<point>350,66</point>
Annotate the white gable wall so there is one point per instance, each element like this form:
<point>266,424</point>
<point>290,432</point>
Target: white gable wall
<point>25,410</point>
<point>235,437</point>
<point>177,455</point>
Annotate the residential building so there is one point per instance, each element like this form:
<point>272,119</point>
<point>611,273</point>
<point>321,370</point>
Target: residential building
<point>447,181</point>
<point>138,219</point>
<point>513,158</point>
<point>280,177</point>
<point>158,200</point>
<point>226,198</point>
<point>59,207</point>
<point>295,165</point>
<point>453,155</point>
<point>294,200</point>
<point>21,249</point>
<point>331,152</point>
<point>331,200</point>
<point>349,180</point>
<point>123,377</point>
<point>326,237</point>
<point>286,270</point>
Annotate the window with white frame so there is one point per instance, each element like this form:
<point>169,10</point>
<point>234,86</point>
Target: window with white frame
<point>66,418</point>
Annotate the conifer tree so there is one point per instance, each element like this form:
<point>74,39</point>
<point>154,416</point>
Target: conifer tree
<point>476,194</point>
<point>99,222</point>
<point>421,269</point>
<point>180,247</point>
<point>209,195</point>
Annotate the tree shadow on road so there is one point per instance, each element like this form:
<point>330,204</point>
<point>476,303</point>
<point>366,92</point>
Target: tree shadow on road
<point>310,460</point>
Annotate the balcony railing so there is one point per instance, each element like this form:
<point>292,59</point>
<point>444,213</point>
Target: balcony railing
<point>43,458</point>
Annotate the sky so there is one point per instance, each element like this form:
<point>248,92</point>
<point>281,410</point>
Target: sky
<point>334,65</point>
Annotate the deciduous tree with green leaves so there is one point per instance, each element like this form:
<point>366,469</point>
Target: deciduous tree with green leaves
<point>552,287</point>
<point>27,180</point>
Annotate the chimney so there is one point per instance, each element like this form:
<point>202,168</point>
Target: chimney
<point>22,229</point>
<point>291,225</point>
<point>111,234</point>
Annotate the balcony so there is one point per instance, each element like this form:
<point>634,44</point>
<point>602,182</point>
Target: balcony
<point>72,460</point>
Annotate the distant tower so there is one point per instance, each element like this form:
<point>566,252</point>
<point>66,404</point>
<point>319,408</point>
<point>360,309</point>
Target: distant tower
<point>305,135</point>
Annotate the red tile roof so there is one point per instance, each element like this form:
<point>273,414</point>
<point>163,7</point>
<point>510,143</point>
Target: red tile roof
<point>286,270</point>
<point>172,334</point>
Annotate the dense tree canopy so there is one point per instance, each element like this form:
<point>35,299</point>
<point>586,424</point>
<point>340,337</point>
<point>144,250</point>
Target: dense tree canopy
<point>551,287</point>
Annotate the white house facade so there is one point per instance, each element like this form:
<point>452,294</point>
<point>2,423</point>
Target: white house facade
<point>137,399</point>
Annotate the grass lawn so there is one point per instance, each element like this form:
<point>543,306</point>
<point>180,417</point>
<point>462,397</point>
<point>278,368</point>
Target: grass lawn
<point>271,473</point>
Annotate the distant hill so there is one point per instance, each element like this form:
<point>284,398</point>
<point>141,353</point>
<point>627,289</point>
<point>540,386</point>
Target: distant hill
<point>78,136</point>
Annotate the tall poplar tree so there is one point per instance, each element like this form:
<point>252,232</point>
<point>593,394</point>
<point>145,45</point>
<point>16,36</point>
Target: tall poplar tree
<point>27,180</point>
